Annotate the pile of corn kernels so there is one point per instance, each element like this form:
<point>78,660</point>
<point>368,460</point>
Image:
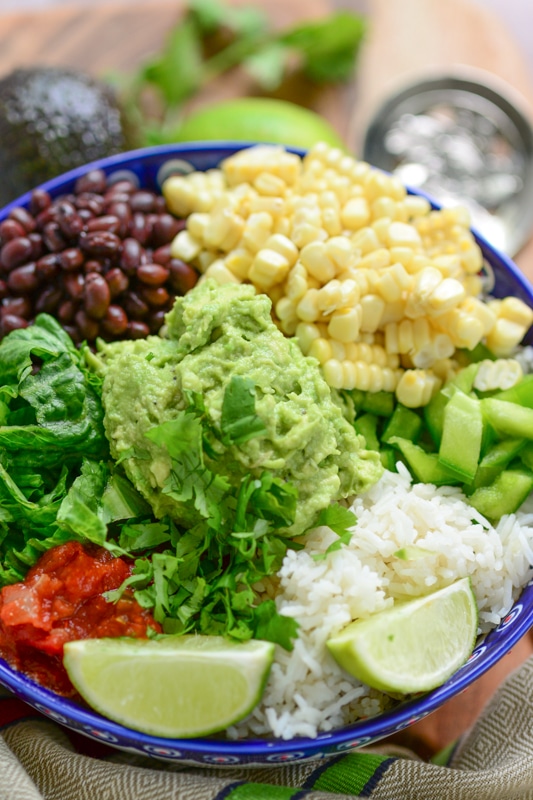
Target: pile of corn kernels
<point>382,290</point>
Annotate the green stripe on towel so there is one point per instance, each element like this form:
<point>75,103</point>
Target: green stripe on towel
<point>351,774</point>
<point>262,791</point>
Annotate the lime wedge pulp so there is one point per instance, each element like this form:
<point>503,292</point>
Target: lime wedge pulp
<point>180,686</point>
<point>413,646</point>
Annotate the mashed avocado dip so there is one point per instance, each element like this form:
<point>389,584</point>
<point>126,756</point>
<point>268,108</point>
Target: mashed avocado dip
<point>212,335</point>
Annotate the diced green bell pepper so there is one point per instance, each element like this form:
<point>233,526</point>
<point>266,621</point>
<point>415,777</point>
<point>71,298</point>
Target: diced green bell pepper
<point>505,495</point>
<point>508,419</point>
<point>405,423</point>
<point>462,434</point>
<point>424,466</point>
<point>366,425</point>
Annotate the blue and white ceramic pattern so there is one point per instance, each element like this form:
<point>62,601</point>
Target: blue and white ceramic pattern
<point>150,166</point>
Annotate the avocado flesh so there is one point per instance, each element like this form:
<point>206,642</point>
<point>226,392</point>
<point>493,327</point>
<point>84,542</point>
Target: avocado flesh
<point>53,120</point>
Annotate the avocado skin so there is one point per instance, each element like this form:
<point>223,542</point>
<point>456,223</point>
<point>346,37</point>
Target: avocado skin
<point>53,119</point>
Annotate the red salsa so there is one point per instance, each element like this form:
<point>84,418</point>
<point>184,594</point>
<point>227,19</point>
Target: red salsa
<point>60,600</point>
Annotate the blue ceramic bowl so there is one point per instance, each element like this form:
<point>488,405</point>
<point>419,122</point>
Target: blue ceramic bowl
<point>150,167</point>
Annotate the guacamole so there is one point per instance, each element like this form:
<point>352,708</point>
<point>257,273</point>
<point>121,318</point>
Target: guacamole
<point>213,334</point>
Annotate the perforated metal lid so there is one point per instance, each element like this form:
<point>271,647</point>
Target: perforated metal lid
<point>461,139</point>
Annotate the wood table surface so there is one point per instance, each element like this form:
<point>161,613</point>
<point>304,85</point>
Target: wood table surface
<point>405,38</point>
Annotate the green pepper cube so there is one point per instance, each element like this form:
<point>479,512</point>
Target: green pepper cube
<point>505,495</point>
<point>405,423</point>
<point>521,393</point>
<point>508,419</point>
<point>496,459</point>
<point>462,434</point>
<point>366,425</point>
<point>424,466</point>
<point>379,403</point>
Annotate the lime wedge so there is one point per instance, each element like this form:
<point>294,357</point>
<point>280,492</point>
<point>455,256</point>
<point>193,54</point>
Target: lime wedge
<point>181,686</point>
<point>415,645</point>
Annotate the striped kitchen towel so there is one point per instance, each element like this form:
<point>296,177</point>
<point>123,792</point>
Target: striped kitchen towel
<point>39,760</point>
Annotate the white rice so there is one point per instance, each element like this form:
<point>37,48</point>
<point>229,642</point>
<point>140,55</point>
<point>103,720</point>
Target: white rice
<point>307,692</point>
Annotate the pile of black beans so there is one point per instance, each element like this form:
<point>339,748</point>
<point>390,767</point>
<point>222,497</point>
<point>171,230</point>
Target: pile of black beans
<point>98,260</point>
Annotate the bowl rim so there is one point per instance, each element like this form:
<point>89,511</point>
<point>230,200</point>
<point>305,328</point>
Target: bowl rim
<point>86,721</point>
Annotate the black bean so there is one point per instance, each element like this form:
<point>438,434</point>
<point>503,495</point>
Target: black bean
<point>165,228</point>
<point>10,229</point>
<point>24,279</point>
<point>140,228</point>
<point>37,245</point>
<point>96,295</point>
<point>71,259</point>
<point>135,306</point>
<point>155,296</point>
<point>67,311</point>
<point>24,218</point>
<point>39,201</point>
<point>19,306</point>
<point>88,201</point>
<point>70,222</point>
<point>153,274</point>
<point>156,321</point>
<point>12,322</point>
<point>49,299</point>
<point>107,222</point>
<point>115,322</point>
<point>182,276</point>
<point>93,181</point>
<point>131,255</point>
<point>162,255</point>
<point>100,243</point>
<point>117,281</point>
<point>142,200</point>
<point>53,238</point>
<point>4,290</point>
<point>16,252</point>
<point>87,326</point>
<point>74,283</point>
<point>100,265</point>
<point>48,266</point>
<point>137,330</point>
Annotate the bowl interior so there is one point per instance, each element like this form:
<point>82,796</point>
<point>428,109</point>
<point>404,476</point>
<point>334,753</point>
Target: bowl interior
<point>149,167</point>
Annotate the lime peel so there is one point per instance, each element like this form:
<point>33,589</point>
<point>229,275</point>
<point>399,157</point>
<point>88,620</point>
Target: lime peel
<point>177,687</point>
<point>415,645</point>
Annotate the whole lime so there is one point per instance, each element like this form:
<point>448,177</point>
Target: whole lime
<point>258,119</point>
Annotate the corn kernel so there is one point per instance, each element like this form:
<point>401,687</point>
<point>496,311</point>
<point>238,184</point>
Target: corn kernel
<point>372,308</point>
<point>504,336</point>
<point>516,310</point>
<point>401,234</point>
<point>344,324</point>
<point>185,246</point>
<point>239,262</point>
<point>333,373</point>
<point>268,268</point>
<point>306,334</point>
<point>297,282</point>
<point>315,259</point>
<point>220,273</point>
<point>500,374</point>
<point>320,349</point>
<point>416,387</point>
<point>271,185</point>
<point>365,240</point>
<point>307,309</point>
<point>378,259</point>
<point>355,213</point>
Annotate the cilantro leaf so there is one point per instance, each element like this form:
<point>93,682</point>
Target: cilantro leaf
<point>340,520</point>
<point>239,422</point>
<point>274,627</point>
